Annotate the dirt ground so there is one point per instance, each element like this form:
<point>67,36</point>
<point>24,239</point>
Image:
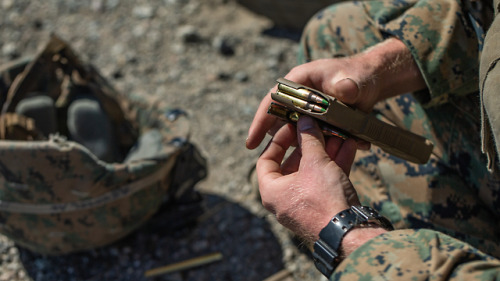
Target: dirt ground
<point>212,58</point>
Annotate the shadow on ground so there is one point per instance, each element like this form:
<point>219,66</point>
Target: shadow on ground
<point>249,249</point>
<point>190,226</point>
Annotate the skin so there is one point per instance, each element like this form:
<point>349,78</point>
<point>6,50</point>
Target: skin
<point>305,190</point>
<point>308,188</point>
<point>383,71</point>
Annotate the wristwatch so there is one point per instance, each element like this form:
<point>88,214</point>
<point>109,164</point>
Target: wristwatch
<point>326,249</point>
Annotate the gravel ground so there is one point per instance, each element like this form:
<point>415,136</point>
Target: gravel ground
<point>212,58</point>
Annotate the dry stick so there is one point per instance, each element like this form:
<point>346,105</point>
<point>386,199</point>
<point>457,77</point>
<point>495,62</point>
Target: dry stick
<point>187,264</point>
<point>280,275</point>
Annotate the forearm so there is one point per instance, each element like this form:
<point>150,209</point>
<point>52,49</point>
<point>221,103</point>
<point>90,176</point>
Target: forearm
<point>395,71</point>
<point>443,37</point>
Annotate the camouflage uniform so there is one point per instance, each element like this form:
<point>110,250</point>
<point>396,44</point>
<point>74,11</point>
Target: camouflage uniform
<point>454,194</point>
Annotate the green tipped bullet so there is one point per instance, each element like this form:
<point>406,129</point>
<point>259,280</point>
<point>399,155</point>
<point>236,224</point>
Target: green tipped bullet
<point>299,102</point>
<point>303,94</point>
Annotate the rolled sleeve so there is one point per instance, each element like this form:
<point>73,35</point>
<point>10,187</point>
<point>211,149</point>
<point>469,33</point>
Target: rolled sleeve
<point>443,38</point>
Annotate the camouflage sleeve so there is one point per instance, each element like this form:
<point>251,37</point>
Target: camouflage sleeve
<point>417,255</point>
<point>444,37</point>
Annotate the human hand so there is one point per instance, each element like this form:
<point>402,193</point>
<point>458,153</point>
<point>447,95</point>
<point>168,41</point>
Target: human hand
<point>307,189</point>
<point>385,70</point>
<point>317,75</point>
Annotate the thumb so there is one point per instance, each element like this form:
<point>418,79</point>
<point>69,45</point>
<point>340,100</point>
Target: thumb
<point>346,90</point>
<point>311,140</point>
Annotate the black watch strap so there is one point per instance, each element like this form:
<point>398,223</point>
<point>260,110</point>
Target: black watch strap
<point>326,249</point>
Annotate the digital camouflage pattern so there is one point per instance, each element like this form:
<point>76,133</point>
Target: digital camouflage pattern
<point>454,193</point>
<point>55,196</point>
<point>417,255</point>
<point>441,36</point>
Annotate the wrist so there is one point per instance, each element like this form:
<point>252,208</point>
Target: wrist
<point>357,237</point>
<point>332,245</point>
<point>321,222</point>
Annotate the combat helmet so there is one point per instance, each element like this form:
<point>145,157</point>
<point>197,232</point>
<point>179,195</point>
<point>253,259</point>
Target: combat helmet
<point>81,165</point>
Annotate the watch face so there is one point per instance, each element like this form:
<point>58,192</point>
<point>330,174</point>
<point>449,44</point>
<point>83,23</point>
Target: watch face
<point>373,216</point>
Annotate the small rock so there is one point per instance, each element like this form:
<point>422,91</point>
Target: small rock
<point>188,34</point>
<point>70,270</point>
<point>143,12</point>
<point>10,49</point>
<point>277,53</point>
<point>117,50</point>
<point>272,64</point>
<point>97,5</point>
<point>224,76</point>
<point>38,24</point>
<point>114,252</point>
<point>176,2</point>
<point>224,45</point>
<point>7,4</point>
<point>241,76</point>
<point>112,4</point>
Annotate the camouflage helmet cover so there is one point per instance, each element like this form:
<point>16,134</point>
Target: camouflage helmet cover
<point>55,195</point>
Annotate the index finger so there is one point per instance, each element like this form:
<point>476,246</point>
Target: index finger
<point>272,157</point>
<point>261,124</point>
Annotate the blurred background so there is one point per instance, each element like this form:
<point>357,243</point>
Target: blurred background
<point>215,59</point>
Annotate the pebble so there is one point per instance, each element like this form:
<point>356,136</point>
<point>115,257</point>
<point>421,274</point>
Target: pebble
<point>97,5</point>
<point>241,76</point>
<point>176,2</point>
<point>143,12</point>
<point>111,4</point>
<point>189,34</point>
<point>9,49</point>
<point>224,45</point>
<point>7,4</point>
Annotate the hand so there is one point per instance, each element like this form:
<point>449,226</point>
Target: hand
<point>385,70</point>
<point>311,185</point>
<point>317,75</point>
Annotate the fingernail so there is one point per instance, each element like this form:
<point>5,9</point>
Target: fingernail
<point>305,123</point>
<point>348,88</point>
<point>354,82</point>
<point>363,145</point>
